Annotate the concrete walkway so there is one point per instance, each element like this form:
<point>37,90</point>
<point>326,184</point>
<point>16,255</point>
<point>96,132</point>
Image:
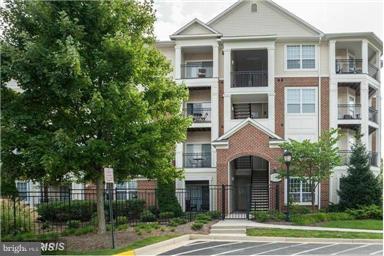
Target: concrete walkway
<point>238,224</point>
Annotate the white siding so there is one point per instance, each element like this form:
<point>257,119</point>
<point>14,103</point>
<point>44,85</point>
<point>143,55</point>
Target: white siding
<point>266,21</point>
<point>195,29</point>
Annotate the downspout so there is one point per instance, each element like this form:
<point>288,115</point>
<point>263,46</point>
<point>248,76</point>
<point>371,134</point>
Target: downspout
<point>319,113</point>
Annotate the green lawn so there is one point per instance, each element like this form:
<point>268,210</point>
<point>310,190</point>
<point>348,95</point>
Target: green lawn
<point>358,224</point>
<point>311,233</point>
<point>132,246</point>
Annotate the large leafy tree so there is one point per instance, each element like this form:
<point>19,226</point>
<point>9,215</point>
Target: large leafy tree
<point>360,186</point>
<point>313,161</point>
<point>95,93</point>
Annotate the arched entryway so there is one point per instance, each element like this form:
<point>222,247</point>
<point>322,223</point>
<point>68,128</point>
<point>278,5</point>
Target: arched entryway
<point>249,185</point>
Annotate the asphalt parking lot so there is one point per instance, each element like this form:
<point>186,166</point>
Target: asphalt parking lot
<point>274,248</point>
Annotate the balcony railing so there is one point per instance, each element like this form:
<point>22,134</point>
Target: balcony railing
<point>349,111</point>
<point>199,115</point>
<point>373,71</point>
<point>345,156</point>
<point>197,160</point>
<point>197,70</point>
<point>372,115</point>
<point>249,78</point>
<point>349,66</point>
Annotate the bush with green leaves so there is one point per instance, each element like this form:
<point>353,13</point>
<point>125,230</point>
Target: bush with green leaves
<point>214,214</point>
<point>154,209</point>
<point>79,231</point>
<point>166,215</point>
<point>308,219</point>
<point>367,212</point>
<point>73,224</point>
<point>25,217</point>
<point>147,216</point>
<point>197,225</point>
<point>203,218</point>
<point>299,209</point>
<point>177,221</point>
<point>167,200</point>
<point>260,216</point>
<point>121,220</point>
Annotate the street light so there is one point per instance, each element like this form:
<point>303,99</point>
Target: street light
<point>287,159</point>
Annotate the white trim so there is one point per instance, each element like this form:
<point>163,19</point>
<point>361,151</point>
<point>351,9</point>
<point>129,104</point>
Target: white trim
<point>286,69</point>
<point>195,20</point>
<point>301,102</point>
<point>299,203</point>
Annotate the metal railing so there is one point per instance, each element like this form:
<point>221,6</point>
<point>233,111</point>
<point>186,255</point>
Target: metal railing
<point>197,160</point>
<point>373,71</point>
<point>349,66</point>
<point>199,115</point>
<point>349,111</point>
<point>249,78</point>
<point>372,114</point>
<point>345,156</point>
<point>197,70</point>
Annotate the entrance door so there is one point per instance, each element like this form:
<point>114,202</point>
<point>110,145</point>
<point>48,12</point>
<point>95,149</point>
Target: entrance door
<point>241,193</point>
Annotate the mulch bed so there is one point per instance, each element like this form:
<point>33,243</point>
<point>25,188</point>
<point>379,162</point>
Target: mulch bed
<point>94,241</point>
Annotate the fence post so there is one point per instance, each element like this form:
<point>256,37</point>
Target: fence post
<point>222,202</point>
<point>69,196</point>
<point>249,200</point>
<point>14,215</point>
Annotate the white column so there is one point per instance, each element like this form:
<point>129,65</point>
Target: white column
<point>214,117</point>
<point>333,104</point>
<point>332,57</point>
<point>271,68</point>
<point>271,110</point>
<point>364,112</point>
<point>227,112</point>
<point>179,155</point>
<point>364,56</point>
<point>378,65</point>
<point>378,131</point>
<point>177,62</point>
<point>215,66</point>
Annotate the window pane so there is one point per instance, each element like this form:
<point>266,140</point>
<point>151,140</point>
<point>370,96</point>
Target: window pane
<point>293,108</point>
<point>295,197</point>
<point>306,197</point>
<point>293,52</point>
<point>309,95</point>
<point>308,108</point>
<point>293,96</point>
<point>308,52</point>
<point>309,64</point>
<point>293,64</point>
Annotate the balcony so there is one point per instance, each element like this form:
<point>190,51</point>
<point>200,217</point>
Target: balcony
<point>349,111</point>
<point>251,110</point>
<point>196,70</point>
<point>373,71</point>
<point>197,160</point>
<point>349,66</point>
<point>372,115</point>
<point>199,115</point>
<point>249,78</point>
<point>345,156</point>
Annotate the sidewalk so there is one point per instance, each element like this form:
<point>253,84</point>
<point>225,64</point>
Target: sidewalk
<point>252,224</point>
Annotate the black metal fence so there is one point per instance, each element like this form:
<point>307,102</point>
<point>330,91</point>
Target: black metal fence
<point>249,78</point>
<point>349,66</point>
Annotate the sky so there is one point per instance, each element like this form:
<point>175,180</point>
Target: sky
<point>330,16</point>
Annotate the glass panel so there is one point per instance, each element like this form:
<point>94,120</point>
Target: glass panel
<point>309,95</point>
<point>309,64</point>
<point>308,52</point>
<point>293,100</point>
<point>293,52</point>
<point>308,108</point>
<point>293,108</point>
<point>306,197</point>
<point>293,64</point>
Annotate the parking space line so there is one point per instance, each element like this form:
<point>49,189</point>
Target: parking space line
<point>289,246</point>
<point>249,247</point>
<point>377,252</point>
<point>351,249</point>
<point>314,249</point>
<point>210,247</point>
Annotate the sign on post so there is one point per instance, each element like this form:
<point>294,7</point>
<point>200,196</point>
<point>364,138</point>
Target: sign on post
<point>108,178</point>
<point>108,175</point>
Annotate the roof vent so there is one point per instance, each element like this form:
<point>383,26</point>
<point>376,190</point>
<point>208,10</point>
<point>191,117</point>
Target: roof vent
<point>253,7</point>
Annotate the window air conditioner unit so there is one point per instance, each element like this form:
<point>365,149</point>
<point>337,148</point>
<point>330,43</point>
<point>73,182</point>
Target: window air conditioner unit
<point>202,72</point>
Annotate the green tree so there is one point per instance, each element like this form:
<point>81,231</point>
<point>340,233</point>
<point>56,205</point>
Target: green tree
<point>360,186</point>
<point>166,194</point>
<point>95,93</point>
<point>312,162</point>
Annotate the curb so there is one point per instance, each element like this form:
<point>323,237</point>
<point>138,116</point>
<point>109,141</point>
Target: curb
<point>284,239</point>
<point>162,246</point>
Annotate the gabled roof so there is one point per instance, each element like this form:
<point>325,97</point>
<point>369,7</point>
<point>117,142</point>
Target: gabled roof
<point>195,22</point>
<point>244,123</point>
<point>274,6</point>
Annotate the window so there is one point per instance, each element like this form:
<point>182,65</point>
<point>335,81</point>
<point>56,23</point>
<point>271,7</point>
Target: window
<point>301,100</point>
<point>126,190</point>
<point>22,188</point>
<point>301,57</point>
<point>197,155</point>
<point>299,190</point>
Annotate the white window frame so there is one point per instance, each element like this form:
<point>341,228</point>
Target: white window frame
<point>301,57</point>
<point>299,203</point>
<point>301,100</point>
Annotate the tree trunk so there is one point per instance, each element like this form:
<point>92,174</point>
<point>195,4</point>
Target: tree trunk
<point>100,205</point>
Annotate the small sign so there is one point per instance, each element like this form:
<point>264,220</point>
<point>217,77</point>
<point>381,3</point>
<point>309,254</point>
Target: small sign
<point>275,177</point>
<point>108,175</point>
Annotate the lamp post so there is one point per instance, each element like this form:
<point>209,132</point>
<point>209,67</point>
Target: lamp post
<point>287,159</point>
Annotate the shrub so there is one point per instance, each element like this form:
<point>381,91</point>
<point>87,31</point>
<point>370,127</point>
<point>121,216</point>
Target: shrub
<point>121,220</point>
<point>260,216</point>
<point>334,208</point>
<point>367,212</point>
<point>73,224</point>
<point>147,216</point>
<point>197,225</point>
<point>122,227</point>
<point>167,198</point>
<point>153,209</point>
<point>214,215</point>
<point>78,231</point>
<point>276,215</point>
<point>299,209</point>
<point>308,219</point>
<point>176,222</point>
<point>339,216</point>
<point>202,217</point>
<point>166,215</point>
<point>25,217</point>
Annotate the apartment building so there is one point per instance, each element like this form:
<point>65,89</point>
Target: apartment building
<point>258,75</point>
